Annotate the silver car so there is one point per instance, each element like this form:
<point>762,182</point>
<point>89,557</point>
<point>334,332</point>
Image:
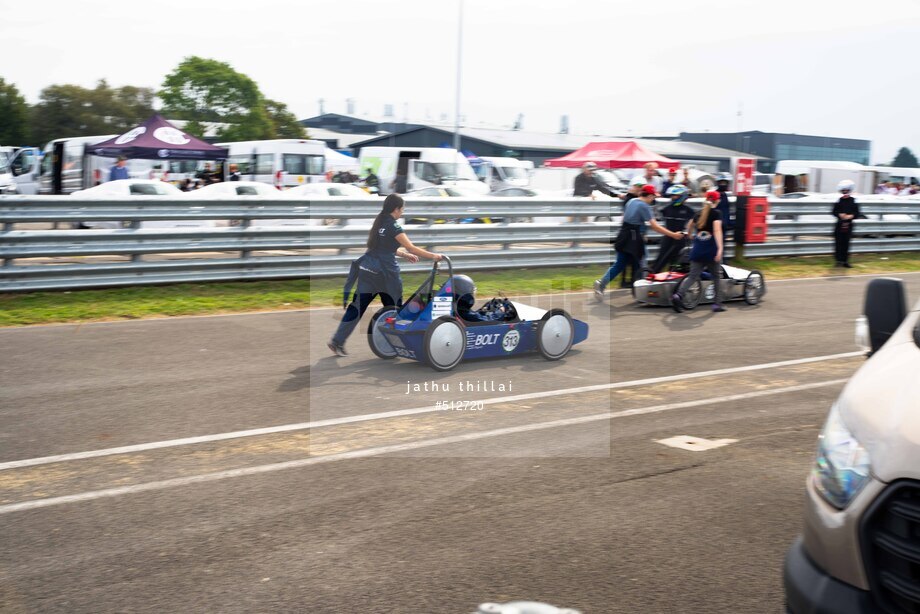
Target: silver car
<point>860,548</point>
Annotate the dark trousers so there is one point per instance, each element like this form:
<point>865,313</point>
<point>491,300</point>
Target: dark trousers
<point>842,245</point>
<point>354,311</point>
<point>696,270</point>
<point>668,253</point>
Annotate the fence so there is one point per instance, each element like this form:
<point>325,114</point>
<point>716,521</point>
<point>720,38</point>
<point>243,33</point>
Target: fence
<point>37,259</point>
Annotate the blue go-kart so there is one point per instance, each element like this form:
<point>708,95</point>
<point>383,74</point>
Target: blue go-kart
<point>428,328</point>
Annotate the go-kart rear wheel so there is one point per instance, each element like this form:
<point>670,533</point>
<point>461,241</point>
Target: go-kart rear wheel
<point>754,288</point>
<point>445,343</point>
<point>375,338</point>
<point>555,334</point>
<point>690,296</point>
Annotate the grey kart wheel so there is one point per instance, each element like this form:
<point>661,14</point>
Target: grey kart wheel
<point>555,334</point>
<point>445,343</point>
<point>375,338</point>
<point>754,288</point>
<point>690,297</point>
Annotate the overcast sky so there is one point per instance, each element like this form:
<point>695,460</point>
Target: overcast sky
<point>832,68</point>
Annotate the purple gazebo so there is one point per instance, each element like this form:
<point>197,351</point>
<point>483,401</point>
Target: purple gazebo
<point>157,139</point>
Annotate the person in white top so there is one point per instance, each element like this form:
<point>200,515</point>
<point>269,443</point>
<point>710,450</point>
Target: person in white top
<point>651,176</point>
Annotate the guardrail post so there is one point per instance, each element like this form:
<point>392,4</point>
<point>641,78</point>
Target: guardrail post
<point>244,225</point>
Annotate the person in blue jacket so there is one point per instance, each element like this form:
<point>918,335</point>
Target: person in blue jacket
<point>377,272</point>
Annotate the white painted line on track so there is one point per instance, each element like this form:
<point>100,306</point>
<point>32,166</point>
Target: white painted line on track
<point>302,426</point>
<point>404,447</point>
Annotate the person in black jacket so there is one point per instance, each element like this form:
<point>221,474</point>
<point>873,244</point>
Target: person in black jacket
<point>845,211</point>
<point>586,182</point>
<point>377,272</point>
<point>675,217</point>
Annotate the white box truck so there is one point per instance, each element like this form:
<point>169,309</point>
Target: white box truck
<point>821,176</point>
<point>422,167</point>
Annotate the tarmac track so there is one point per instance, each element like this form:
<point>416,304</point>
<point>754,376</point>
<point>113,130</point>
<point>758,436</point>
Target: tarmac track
<point>557,490</point>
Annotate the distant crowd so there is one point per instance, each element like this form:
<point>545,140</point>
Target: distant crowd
<point>895,188</point>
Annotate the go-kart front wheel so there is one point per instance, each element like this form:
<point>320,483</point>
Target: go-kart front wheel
<point>379,344</point>
<point>555,334</point>
<point>754,288</point>
<point>445,343</point>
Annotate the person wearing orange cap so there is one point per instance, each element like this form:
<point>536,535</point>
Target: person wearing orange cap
<point>705,251</point>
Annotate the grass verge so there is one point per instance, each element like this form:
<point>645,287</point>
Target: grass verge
<point>239,297</point>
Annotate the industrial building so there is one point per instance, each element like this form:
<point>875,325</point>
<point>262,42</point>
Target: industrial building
<point>774,146</point>
<point>709,151</point>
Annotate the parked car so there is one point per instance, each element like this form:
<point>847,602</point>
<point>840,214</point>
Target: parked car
<point>516,192</point>
<point>443,192</point>
<point>126,188</point>
<point>233,189</point>
<point>312,191</point>
<point>860,546</point>
<point>341,190</point>
<point>449,192</point>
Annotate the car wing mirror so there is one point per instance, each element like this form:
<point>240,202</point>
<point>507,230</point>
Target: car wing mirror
<point>884,309</point>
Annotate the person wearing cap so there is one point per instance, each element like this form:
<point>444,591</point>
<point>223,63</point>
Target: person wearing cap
<point>630,242</point>
<point>845,211</point>
<point>671,180</point>
<point>705,251</point>
<point>586,182</point>
<point>119,170</point>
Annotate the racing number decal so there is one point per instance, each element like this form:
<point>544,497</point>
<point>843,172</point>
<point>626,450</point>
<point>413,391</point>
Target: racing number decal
<point>511,340</point>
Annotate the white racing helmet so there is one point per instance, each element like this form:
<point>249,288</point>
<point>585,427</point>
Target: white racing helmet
<point>846,186</point>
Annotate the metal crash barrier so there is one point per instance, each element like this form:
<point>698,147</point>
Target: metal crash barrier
<point>289,239</point>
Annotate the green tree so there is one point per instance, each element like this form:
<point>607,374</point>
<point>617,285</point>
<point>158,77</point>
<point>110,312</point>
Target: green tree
<point>284,123</point>
<point>14,115</point>
<point>71,110</point>
<point>905,159</point>
<point>205,90</point>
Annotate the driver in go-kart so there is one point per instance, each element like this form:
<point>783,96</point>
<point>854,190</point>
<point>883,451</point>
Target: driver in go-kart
<point>465,296</point>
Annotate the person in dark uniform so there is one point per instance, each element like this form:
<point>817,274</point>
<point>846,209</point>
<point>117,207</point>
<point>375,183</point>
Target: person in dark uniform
<point>675,217</point>
<point>377,272</point>
<point>586,182</point>
<point>465,295</point>
<point>372,181</point>
<point>845,211</point>
<point>400,183</point>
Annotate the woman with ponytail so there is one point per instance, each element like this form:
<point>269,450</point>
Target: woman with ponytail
<point>377,272</point>
<point>706,250</point>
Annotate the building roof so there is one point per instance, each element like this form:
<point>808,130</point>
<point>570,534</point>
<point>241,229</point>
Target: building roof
<point>565,143</point>
<point>345,140</point>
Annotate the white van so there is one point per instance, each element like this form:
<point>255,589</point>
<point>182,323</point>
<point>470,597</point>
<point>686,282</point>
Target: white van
<point>500,173</point>
<point>20,168</point>
<point>283,163</point>
<point>63,170</point>
<point>422,166</point>
<point>860,547</point>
